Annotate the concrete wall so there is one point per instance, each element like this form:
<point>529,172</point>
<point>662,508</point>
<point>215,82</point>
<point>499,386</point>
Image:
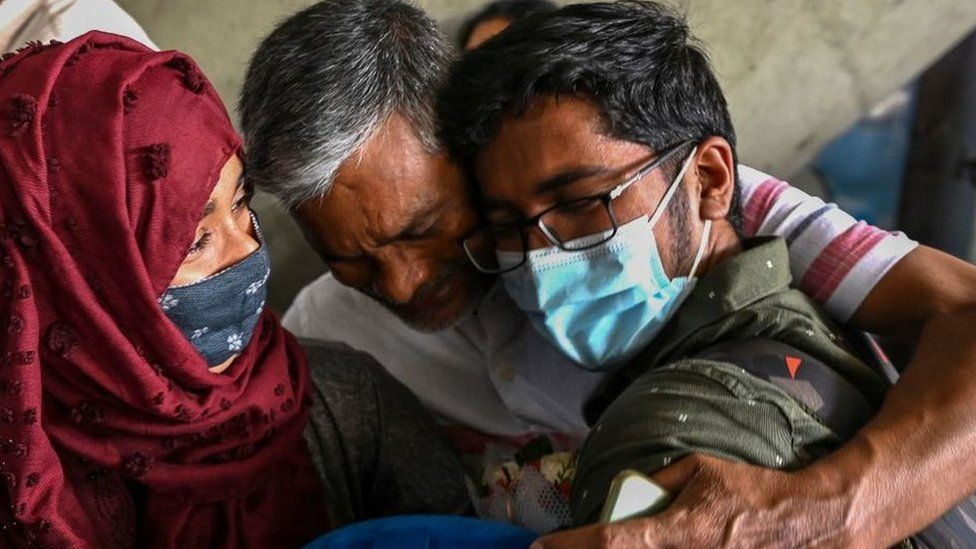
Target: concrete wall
<point>797,72</point>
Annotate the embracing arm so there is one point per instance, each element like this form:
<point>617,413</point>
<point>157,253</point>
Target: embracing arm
<point>914,460</point>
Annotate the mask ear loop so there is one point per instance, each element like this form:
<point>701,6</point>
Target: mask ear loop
<point>671,190</point>
<point>257,228</point>
<point>701,248</point>
<point>664,203</point>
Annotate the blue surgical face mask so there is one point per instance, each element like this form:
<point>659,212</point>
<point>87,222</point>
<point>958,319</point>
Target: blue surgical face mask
<point>218,314</point>
<point>603,305</point>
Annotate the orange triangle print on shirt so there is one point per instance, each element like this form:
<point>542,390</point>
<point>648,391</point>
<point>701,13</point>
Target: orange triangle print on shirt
<point>793,364</point>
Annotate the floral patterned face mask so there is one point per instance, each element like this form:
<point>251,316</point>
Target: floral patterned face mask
<point>218,314</point>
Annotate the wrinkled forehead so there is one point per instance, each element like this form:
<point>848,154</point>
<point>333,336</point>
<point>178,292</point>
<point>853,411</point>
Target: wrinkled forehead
<point>391,182</point>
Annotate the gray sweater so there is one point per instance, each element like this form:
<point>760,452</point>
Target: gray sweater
<point>376,448</point>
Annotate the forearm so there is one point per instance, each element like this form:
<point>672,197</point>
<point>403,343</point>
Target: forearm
<point>914,460</point>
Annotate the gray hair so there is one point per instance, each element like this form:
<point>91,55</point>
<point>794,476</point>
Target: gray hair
<point>325,79</point>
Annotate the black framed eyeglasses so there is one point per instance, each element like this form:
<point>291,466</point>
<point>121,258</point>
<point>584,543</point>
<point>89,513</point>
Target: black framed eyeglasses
<point>575,225</point>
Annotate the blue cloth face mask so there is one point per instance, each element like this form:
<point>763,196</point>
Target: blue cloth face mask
<point>218,314</point>
<point>603,305</point>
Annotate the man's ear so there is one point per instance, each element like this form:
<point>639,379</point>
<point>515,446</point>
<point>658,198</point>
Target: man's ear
<point>715,173</point>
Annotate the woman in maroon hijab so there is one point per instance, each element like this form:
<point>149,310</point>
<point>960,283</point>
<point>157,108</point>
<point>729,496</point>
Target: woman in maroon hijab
<point>146,396</point>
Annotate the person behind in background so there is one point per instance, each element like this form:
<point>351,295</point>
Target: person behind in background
<point>495,16</point>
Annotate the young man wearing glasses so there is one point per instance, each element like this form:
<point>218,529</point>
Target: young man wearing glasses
<point>605,157</point>
<point>633,278</point>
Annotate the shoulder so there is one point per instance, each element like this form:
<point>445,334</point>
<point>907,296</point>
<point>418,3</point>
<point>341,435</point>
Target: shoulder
<point>327,351</point>
<point>702,378</point>
<point>336,357</point>
<point>333,363</point>
<point>699,386</point>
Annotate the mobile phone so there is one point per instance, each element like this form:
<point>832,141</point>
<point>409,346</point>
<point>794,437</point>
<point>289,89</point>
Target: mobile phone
<point>633,495</point>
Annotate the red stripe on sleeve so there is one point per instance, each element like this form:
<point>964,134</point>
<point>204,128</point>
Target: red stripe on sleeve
<point>838,259</point>
<point>760,203</point>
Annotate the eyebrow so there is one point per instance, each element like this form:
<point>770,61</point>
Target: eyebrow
<point>567,178</point>
<point>329,257</point>
<point>552,184</point>
<point>211,205</point>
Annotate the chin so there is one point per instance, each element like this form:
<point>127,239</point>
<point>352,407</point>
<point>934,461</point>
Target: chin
<point>442,303</point>
<point>434,318</point>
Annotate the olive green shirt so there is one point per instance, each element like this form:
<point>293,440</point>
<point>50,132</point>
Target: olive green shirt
<point>666,404</point>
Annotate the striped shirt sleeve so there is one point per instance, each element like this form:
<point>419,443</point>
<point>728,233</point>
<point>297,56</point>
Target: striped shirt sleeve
<point>835,259</point>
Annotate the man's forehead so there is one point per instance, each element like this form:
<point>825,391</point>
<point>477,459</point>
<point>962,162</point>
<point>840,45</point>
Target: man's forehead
<point>390,183</point>
<point>365,206</point>
<point>557,150</point>
<point>372,208</point>
<point>551,135</point>
<point>548,122</point>
<point>575,111</point>
<point>390,164</point>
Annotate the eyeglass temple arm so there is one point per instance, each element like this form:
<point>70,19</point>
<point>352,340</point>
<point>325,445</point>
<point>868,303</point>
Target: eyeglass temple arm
<point>653,165</point>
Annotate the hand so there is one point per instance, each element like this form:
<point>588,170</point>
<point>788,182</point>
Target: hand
<point>723,504</point>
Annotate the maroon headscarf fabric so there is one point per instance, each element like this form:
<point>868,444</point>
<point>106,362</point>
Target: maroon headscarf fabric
<point>112,430</point>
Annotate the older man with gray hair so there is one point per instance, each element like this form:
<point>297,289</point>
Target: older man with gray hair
<point>337,111</point>
<point>334,101</point>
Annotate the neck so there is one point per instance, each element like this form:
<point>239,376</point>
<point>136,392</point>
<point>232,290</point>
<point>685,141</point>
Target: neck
<point>722,244</point>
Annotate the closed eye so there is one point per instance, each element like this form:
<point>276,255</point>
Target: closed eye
<point>242,203</point>
<point>200,244</point>
<point>418,233</point>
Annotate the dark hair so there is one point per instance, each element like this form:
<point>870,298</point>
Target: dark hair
<point>325,79</point>
<point>636,61</point>
<point>513,10</point>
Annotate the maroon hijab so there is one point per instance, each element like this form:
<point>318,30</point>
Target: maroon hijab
<point>112,431</point>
